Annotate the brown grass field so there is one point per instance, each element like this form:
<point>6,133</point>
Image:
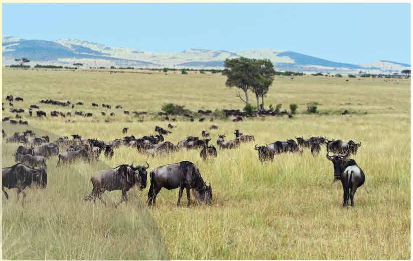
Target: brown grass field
<point>285,209</point>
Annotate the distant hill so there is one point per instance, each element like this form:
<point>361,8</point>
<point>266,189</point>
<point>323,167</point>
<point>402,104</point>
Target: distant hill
<point>68,51</point>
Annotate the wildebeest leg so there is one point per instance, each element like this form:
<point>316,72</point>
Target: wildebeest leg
<point>100,197</point>
<point>188,196</point>
<point>124,198</point>
<point>353,191</point>
<point>181,190</point>
<point>345,192</point>
<point>156,193</point>
<point>5,193</point>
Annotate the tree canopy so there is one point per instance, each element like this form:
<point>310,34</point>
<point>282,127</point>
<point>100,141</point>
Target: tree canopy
<point>250,74</point>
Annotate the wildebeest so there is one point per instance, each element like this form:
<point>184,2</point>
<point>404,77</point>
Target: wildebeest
<point>123,177</point>
<point>40,113</point>
<point>349,173</point>
<point>182,175</point>
<point>162,148</point>
<point>161,130</point>
<point>9,98</point>
<point>243,138</point>
<point>339,146</point>
<point>125,130</point>
<point>171,126</point>
<point>231,144</point>
<point>265,153</point>
<point>95,104</point>
<point>32,161</point>
<point>46,150</point>
<point>315,148</point>
<point>71,156</point>
<point>21,176</point>
<point>205,133</point>
<point>3,133</point>
<point>191,142</point>
<point>24,150</point>
<point>208,151</point>
<point>213,127</point>
<point>109,152</point>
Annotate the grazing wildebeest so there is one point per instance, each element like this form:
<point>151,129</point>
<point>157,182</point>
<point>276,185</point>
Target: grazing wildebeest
<point>95,104</point>
<point>213,127</point>
<point>182,175</point>
<point>171,126</point>
<point>32,161</point>
<point>125,130</point>
<point>265,153</point>
<point>9,98</point>
<point>161,130</point>
<point>315,148</point>
<point>162,148</point>
<point>118,107</point>
<point>191,142</point>
<point>123,177</point>
<point>205,134</point>
<point>21,176</point>
<point>103,113</point>
<point>243,138</point>
<point>112,114</point>
<point>339,146</point>
<point>46,150</point>
<point>40,113</point>
<point>231,144</point>
<point>208,151</point>
<point>349,173</point>
<point>344,112</point>
<point>19,98</point>
<point>71,156</point>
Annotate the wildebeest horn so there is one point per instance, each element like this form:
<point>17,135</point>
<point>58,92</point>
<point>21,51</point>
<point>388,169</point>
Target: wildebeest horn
<point>328,156</point>
<point>255,147</point>
<point>147,166</point>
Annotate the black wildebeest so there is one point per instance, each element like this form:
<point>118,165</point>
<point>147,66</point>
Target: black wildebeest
<point>182,175</point>
<point>21,176</point>
<point>208,151</point>
<point>231,144</point>
<point>123,177</point>
<point>125,130</point>
<point>349,173</point>
<point>265,153</point>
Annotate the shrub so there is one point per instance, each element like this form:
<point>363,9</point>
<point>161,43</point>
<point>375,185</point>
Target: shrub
<point>293,108</point>
<point>271,107</point>
<point>174,109</point>
<point>338,75</point>
<point>351,76</point>
<point>184,71</point>
<point>165,70</point>
<point>312,107</point>
<point>249,109</point>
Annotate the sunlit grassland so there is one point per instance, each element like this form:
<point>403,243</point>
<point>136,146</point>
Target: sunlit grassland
<point>286,209</point>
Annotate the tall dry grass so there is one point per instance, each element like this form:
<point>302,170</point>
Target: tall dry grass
<point>286,209</point>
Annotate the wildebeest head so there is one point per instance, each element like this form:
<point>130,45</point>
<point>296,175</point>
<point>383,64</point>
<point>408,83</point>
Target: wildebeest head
<point>40,177</point>
<point>338,162</point>
<point>141,175</point>
<point>264,152</point>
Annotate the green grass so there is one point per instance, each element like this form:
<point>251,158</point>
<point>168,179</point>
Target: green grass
<point>287,209</point>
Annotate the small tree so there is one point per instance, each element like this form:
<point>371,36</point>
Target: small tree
<point>184,71</point>
<point>293,108</point>
<point>22,61</point>
<point>165,70</point>
<point>278,107</point>
<point>311,107</point>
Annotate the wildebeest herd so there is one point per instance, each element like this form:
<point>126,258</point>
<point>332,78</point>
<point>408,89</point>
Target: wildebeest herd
<point>31,160</point>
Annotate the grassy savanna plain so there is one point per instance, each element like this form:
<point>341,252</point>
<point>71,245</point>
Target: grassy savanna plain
<point>286,209</point>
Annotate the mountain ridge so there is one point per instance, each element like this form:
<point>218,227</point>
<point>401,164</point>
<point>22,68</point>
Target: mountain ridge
<point>69,51</point>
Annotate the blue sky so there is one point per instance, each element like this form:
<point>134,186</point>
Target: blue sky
<point>350,33</point>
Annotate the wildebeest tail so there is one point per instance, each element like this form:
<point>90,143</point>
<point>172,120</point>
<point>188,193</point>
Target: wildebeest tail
<point>5,193</point>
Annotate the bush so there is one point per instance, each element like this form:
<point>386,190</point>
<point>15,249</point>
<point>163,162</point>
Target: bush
<point>165,70</point>
<point>249,109</point>
<point>351,76</point>
<point>184,71</point>
<point>271,107</point>
<point>174,109</point>
<point>293,108</point>
<point>312,107</point>
<point>338,75</point>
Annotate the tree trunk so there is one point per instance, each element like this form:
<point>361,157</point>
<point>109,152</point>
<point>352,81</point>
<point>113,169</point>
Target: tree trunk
<point>246,96</point>
<point>258,101</point>
<point>262,102</point>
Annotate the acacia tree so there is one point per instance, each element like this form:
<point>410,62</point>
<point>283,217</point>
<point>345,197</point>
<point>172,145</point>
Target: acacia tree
<point>22,61</point>
<point>262,79</point>
<point>239,73</point>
